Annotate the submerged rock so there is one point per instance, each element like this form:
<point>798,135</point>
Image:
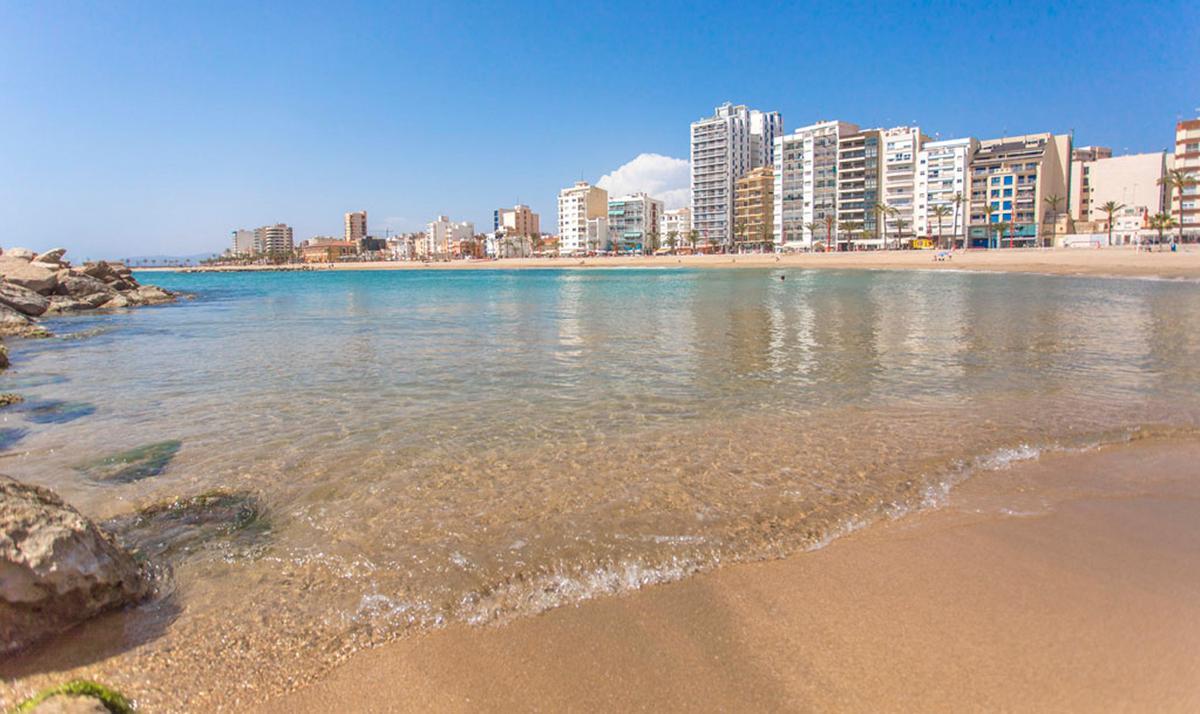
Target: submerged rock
<point>173,529</point>
<point>132,465</point>
<point>57,568</point>
<point>50,411</point>
<point>8,399</point>
<point>10,435</point>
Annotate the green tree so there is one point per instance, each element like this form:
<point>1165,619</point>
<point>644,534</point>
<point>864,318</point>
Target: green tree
<point>694,238</point>
<point>672,240</point>
<point>1162,222</point>
<point>850,229</point>
<point>883,211</point>
<point>813,227</point>
<point>987,222</point>
<point>958,202</point>
<point>1178,180</point>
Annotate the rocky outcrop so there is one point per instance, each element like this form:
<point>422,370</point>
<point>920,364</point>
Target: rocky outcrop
<point>57,568</point>
<point>35,285</point>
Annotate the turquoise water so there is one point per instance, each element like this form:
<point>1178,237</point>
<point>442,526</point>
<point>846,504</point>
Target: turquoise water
<point>440,446</point>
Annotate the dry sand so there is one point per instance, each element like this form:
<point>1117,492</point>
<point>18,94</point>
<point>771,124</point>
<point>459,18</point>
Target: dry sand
<point>1067,584</point>
<point>1064,261</point>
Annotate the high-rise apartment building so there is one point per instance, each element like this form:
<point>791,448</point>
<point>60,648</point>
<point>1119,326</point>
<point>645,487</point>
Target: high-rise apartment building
<point>275,241</point>
<point>1187,159</point>
<point>754,208</point>
<point>941,191</point>
<point>519,220</point>
<point>1080,179</point>
<point>724,147</point>
<point>576,206</point>
<point>243,242</point>
<point>901,146</point>
<point>443,236</point>
<point>675,225</point>
<point>632,220</point>
<point>356,226</point>
<point>1012,176</point>
<point>859,184</point>
<point>806,181</point>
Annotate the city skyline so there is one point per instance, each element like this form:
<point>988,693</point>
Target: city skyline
<point>157,132</point>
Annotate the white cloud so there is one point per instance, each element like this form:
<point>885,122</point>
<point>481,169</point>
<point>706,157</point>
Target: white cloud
<point>662,177</point>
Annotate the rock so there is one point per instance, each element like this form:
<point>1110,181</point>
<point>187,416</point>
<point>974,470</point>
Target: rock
<point>13,323</point>
<point>97,299</point>
<point>47,266</point>
<point>58,569</point>
<point>3,357</point>
<point>8,399</point>
<point>80,285</point>
<point>99,270</point>
<point>10,435</point>
<point>173,529</point>
<point>22,253</point>
<point>123,285</point>
<point>30,275</point>
<point>132,465</point>
<point>66,704</point>
<point>65,303</point>
<point>53,411</point>
<point>152,295</point>
<point>54,255</point>
<point>22,299</point>
<point>116,301</point>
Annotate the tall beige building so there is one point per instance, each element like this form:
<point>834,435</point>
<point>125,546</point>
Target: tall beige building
<point>1013,175</point>
<point>356,226</point>
<point>576,206</point>
<point>1187,159</point>
<point>1082,158</point>
<point>275,241</point>
<point>754,207</point>
<point>519,220</point>
<point>1132,181</point>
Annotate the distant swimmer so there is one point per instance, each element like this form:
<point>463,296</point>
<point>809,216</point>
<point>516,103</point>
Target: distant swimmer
<point>783,277</point>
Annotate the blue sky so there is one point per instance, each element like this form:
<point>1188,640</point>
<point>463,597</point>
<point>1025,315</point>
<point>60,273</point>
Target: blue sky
<point>139,128</point>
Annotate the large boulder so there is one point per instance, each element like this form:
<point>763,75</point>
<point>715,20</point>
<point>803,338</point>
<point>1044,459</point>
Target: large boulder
<point>13,322</point>
<point>57,568</point>
<point>22,299</point>
<point>149,295</point>
<point>80,285</point>
<point>99,270</point>
<point>60,304</point>
<point>27,274</point>
<point>22,253</point>
<point>54,255</point>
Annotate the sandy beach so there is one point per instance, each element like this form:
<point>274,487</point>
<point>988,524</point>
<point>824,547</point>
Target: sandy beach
<point>1070,583</point>
<point>1067,261</point>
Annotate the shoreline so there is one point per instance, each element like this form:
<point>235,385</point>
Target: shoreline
<point>1065,583</point>
<point>1105,262</point>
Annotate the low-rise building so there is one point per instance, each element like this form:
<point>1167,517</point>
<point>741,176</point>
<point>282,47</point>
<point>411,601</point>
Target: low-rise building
<point>327,250</point>
<point>519,220</point>
<point>633,222</point>
<point>675,227</point>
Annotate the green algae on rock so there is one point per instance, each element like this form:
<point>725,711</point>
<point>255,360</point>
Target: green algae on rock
<point>112,701</point>
<point>132,465</point>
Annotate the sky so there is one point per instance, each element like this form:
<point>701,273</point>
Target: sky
<point>147,128</point>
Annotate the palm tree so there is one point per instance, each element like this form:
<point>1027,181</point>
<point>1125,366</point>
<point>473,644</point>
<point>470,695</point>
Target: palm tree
<point>1053,201</point>
<point>1110,208</point>
<point>813,227</point>
<point>987,220</point>
<point>829,221</point>
<point>1178,180</point>
<point>1162,222</point>
<point>884,211</point>
<point>652,241</point>
<point>940,212</point>
<point>850,228</point>
<point>694,238</point>
<point>958,202</point>
<point>999,228</point>
<point>672,240</point>
<point>535,241</point>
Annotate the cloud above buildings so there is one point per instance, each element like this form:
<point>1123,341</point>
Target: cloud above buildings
<point>661,177</point>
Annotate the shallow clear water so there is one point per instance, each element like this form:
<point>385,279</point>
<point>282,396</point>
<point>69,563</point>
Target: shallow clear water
<point>433,446</point>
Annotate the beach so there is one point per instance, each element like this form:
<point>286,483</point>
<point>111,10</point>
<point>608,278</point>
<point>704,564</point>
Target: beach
<point>1070,583</point>
<point>578,489</point>
<point>1059,261</point>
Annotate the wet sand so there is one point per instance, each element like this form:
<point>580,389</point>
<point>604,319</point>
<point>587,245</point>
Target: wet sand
<point>1071,583</point>
<point>1061,261</point>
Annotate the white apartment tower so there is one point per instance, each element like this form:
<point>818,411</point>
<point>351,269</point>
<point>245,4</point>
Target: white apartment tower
<point>806,164</point>
<point>724,147</point>
<point>274,240</point>
<point>900,148</point>
<point>576,206</point>
<point>942,181</point>
<point>243,242</point>
<point>443,233</point>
